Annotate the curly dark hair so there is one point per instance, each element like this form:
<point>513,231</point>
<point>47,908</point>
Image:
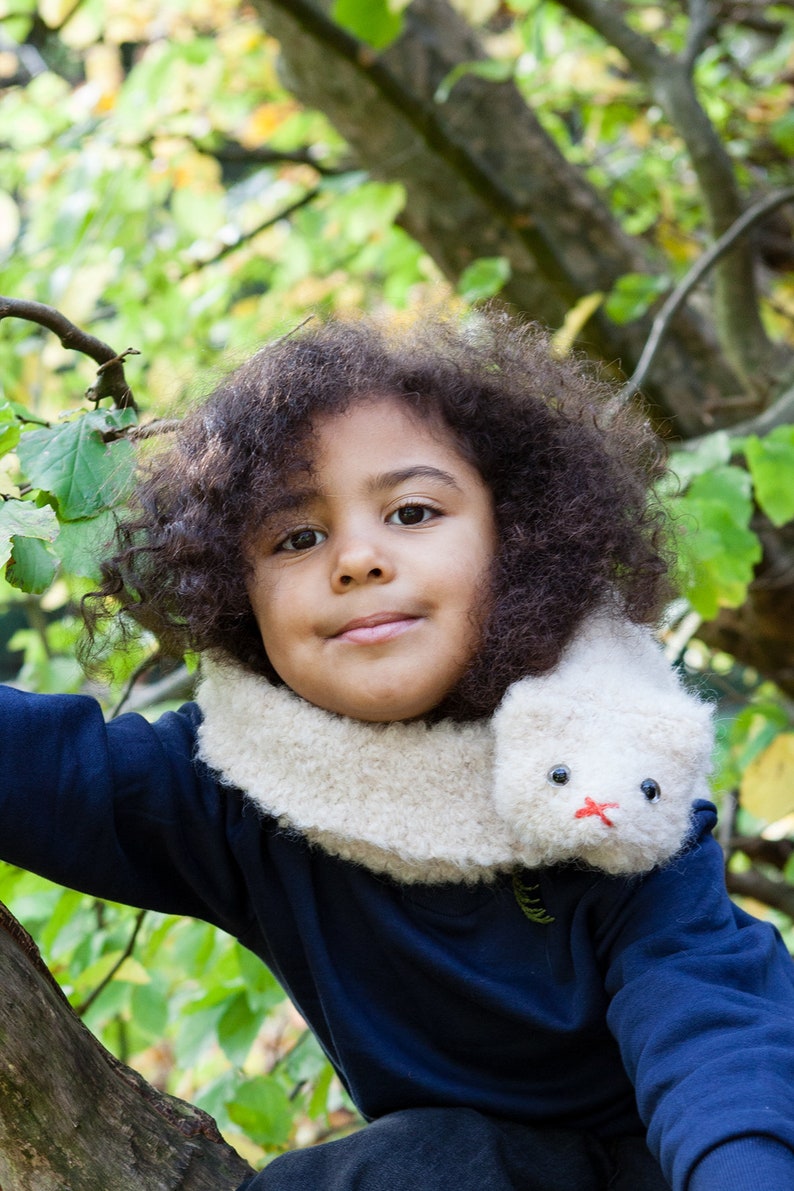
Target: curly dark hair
<point>569,472</point>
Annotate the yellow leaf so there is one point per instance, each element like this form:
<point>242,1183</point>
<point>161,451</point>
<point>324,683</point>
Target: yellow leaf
<point>132,972</point>
<point>767,789</point>
<point>54,12</point>
<point>676,244</point>
<point>640,132</point>
<point>8,61</point>
<point>103,68</point>
<point>573,322</point>
<point>264,121</point>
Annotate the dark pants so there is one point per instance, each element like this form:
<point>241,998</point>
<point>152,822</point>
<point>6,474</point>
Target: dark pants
<point>458,1149</point>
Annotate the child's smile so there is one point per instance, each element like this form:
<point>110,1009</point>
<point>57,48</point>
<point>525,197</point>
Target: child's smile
<point>370,592</point>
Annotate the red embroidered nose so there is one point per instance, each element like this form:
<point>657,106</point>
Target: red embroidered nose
<point>595,808</point>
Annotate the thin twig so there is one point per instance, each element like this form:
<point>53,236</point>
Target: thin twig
<point>83,1008</point>
<point>235,153</point>
<point>698,271</point>
<point>110,376</point>
<point>227,249</point>
<point>147,430</point>
<point>701,22</point>
<point>170,425</point>
<point>293,330</point>
<point>176,685</point>
<point>137,673</point>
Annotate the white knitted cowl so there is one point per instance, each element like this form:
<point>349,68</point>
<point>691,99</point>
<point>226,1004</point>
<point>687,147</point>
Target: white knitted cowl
<point>596,762</point>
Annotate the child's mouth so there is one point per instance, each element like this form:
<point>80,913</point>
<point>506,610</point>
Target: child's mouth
<point>374,630</point>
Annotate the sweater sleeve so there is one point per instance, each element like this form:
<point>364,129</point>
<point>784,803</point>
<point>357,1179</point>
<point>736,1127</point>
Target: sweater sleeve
<point>750,1163</point>
<point>119,810</point>
<point>702,1006</point>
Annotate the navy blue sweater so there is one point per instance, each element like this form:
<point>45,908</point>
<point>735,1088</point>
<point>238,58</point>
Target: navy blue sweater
<point>630,1003</point>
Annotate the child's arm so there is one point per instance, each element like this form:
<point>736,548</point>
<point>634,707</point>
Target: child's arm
<point>703,1009</point>
<point>117,810</point>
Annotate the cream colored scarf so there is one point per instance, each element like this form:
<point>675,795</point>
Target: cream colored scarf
<point>597,762</point>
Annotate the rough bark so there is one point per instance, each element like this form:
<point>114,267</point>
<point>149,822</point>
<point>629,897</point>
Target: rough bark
<point>483,178</point>
<point>72,1118</point>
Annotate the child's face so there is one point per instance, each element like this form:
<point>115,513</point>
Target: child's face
<point>371,591</point>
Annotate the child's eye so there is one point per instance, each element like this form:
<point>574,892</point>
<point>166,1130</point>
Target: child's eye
<point>302,539</point>
<point>411,515</point>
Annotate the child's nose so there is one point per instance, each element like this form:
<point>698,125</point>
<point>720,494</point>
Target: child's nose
<point>359,561</point>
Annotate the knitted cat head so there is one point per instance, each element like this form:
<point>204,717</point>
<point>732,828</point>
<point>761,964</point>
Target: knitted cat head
<point>601,759</point>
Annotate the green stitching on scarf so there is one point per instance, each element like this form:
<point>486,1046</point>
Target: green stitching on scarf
<point>530,906</point>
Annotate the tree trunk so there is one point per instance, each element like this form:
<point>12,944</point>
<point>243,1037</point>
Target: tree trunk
<point>73,1118</point>
<point>483,178</point>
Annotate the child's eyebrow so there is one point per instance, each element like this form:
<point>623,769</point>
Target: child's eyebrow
<point>292,503</point>
<point>391,479</point>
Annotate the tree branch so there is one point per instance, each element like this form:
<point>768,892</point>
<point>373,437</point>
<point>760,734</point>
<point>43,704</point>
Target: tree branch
<point>698,271</point>
<point>777,894</point>
<point>110,375</point>
<point>669,80</point>
<point>235,153</point>
<point>701,22</point>
<point>776,852</point>
<point>642,54</point>
<point>73,1115</point>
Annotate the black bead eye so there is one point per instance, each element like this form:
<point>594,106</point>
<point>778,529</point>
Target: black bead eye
<point>651,789</point>
<point>559,775</point>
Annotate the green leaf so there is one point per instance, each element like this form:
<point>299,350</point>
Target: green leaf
<point>771,463</point>
<point>319,1099</point>
<point>632,294</point>
<point>72,462</point>
<point>24,519</point>
<point>377,22</point>
<point>32,565</point>
<point>95,974</point>
<point>713,451</point>
<point>483,278</point>
<point>198,213</point>
<point>263,1111</point>
<point>369,210</point>
<point>494,70</point>
<point>238,1026</point>
<point>64,912</point>
<point>782,132</point>
<point>261,987</point>
<point>81,545</point>
<point>150,1010</point>
<point>10,429</point>
<point>718,550</point>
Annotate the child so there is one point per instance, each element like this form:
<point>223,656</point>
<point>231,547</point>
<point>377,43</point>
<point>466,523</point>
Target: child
<point>374,541</point>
